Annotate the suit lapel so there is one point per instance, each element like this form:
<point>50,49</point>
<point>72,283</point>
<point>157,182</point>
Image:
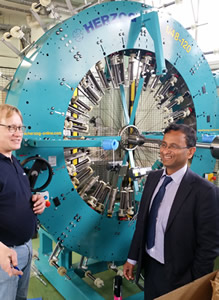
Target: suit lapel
<point>184,189</point>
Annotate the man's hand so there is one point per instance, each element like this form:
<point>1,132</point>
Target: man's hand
<point>38,204</point>
<point>128,271</point>
<point>8,259</point>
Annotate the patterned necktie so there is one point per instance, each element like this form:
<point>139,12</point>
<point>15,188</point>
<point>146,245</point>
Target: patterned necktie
<point>152,217</point>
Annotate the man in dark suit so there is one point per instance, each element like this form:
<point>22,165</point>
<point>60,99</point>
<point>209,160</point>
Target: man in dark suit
<point>181,244</point>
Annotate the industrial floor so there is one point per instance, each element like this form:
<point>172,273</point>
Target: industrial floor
<point>37,289</point>
<point>47,292</point>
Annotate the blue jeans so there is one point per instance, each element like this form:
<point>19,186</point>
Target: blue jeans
<point>15,288</point>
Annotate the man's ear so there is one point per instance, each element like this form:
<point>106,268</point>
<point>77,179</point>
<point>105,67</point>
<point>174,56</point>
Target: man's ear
<point>191,152</point>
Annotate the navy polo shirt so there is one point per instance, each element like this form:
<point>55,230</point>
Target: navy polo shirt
<point>17,219</point>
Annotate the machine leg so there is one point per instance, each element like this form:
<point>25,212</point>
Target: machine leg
<point>70,289</point>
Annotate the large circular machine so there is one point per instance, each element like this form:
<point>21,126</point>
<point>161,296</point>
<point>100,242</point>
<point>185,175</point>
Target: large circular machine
<point>96,92</point>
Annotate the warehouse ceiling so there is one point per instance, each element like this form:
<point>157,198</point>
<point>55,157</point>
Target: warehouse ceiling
<point>65,7</point>
<point>23,6</point>
<point>201,20</point>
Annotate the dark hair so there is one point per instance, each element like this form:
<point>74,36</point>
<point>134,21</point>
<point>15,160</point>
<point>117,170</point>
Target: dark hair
<point>189,132</point>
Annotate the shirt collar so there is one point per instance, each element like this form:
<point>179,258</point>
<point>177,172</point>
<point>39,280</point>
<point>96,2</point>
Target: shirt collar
<point>3,157</point>
<point>178,175</point>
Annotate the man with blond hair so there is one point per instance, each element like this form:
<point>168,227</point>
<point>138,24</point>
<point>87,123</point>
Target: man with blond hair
<point>18,209</point>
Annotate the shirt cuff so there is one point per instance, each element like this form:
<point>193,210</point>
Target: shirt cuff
<point>132,262</point>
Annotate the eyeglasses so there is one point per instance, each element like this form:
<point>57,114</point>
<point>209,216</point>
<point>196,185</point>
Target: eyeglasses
<point>172,147</point>
<point>14,128</point>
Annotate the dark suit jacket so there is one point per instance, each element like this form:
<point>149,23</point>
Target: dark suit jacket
<point>191,241</point>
